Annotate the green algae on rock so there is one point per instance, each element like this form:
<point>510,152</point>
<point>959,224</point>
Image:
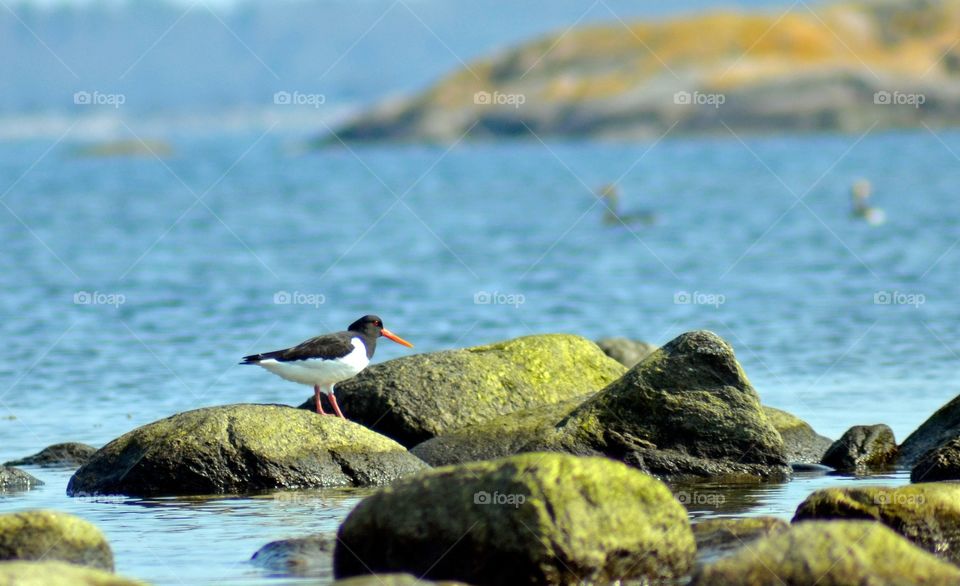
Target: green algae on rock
<point>540,518</point>
<point>55,573</point>
<point>830,553</point>
<point>927,514</point>
<point>415,398</point>
<point>242,449</point>
<point>716,537</point>
<point>58,455</point>
<point>801,443</point>
<point>941,463</point>
<point>51,535</point>
<point>862,448</point>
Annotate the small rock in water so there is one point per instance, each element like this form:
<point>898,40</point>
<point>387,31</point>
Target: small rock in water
<point>301,556</point>
<point>69,454</point>
<point>830,553</point>
<point>541,518</point>
<point>941,463</point>
<point>862,448</point>
<point>802,444</point>
<point>626,351</point>
<point>51,535</point>
<point>14,479</point>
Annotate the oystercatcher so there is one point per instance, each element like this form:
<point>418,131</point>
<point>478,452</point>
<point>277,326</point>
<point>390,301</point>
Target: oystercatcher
<point>328,359</point>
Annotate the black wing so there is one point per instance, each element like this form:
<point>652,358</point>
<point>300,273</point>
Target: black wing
<point>328,346</point>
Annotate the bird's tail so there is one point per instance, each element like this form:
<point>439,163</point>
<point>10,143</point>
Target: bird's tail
<point>256,358</point>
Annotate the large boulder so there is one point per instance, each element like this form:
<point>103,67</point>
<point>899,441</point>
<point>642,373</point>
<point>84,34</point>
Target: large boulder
<point>862,448</point>
<point>687,410</point>
<point>830,553</point>
<point>801,443</point>
<point>50,535</point>
<point>538,518</point>
<point>300,556</point>
<point>70,454</point>
<point>940,428</point>
<point>242,449</point>
<point>53,573</point>
<point>626,351</point>
<point>927,514</point>
<point>14,479</point>
<point>940,463</point>
<point>415,398</point>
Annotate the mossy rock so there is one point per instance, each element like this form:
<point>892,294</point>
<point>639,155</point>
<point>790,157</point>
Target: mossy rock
<point>717,537</point>
<point>830,553</point>
<point>392,580</point>
<point>415,398</point>
<point>14,479</point>
<point>941,463</point>
<point>540,518</point>
<point>70,454</point>
<point>861,449</point>
<point>626,351</point>
<point>801,443</point>
<point>51,535</point>
<point>940,428</point>
<point>687,410</point>
<point>300,556</point>
<point>927,514</point>
<point>54,573</point>
<point>242,449</point>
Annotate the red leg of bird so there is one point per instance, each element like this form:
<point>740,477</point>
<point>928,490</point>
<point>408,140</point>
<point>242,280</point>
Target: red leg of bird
<point>316,397</point>
<point>336,408</point>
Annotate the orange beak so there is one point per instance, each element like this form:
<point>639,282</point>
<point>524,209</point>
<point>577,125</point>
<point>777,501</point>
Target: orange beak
<point>388,334</point>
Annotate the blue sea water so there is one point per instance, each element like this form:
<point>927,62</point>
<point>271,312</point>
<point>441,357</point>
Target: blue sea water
<point>129,287</point>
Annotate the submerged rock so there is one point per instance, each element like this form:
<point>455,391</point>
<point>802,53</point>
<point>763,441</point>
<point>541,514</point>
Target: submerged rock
<point>862,448</point>
<point>830,553</point>
<point>927,514</point>
<point>242,449</point>
<point>57,455</point>
<point>14,479</point>
<point>53,573</point>
<point>941,463</point>
<point>801,443</point>
<point>687,410</point>
<point>626,351</point>
<point>717,537</point>
<point>940,428</point>
<point>532,519</point>
<point>302,556</point>
<point>415,398</point>
<point>50,535</point>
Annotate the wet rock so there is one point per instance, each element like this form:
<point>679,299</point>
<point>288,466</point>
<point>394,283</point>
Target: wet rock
<point>626,351</point>
<point>717,537</point>
<point>53,573</point>
<point>830,553</point>
<point>392,580</point>
<point>242,449</point>
<point>58,455</point>
<point>14,479</point>
<point>302,556</point>
<point>940,428</point>
<point>927,514</point>
<point>687,410</point>
<point>862,448</point>
<point>941,463</point>
<point>415,398</point>
<point>801,443</point>
<point>50,535</point>
<point>536,518</point>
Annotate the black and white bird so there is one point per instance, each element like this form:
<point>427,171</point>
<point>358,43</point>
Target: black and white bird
<point>328,359</point>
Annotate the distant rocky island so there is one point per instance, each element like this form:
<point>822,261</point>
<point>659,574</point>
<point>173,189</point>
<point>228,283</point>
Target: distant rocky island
<point>844,67</point>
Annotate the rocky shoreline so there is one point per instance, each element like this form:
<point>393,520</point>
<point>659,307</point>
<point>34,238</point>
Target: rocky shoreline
<point>539,460</point>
